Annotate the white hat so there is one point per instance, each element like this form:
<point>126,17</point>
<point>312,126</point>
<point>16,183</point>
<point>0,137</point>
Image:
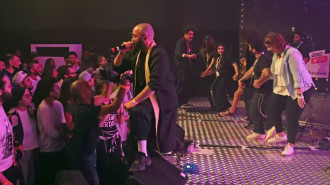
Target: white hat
<point>19,77</point>
<point>85,75</point>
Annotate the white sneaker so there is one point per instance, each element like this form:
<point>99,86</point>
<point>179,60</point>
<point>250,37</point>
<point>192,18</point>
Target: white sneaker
<point>288,150</point>
<point>277,139</point>
<point>255,136</point>
<point>270,133</point>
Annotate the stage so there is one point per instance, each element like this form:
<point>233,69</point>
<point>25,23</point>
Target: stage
<point>238,161</point>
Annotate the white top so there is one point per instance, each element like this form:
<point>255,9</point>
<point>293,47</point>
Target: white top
<point>281,87</point>
<point>34,83</point>
<point>30,140</point>
<point>50,119</point>
<point>6,142</point>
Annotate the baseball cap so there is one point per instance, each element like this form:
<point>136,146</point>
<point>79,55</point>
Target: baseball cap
<point>85,75</point>
<point>19,77</point>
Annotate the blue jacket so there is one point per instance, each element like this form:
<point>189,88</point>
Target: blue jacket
<point>294,70</point>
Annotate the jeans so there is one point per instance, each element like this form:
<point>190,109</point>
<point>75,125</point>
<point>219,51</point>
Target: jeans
<point>259,113</point>
<point>88,168</point>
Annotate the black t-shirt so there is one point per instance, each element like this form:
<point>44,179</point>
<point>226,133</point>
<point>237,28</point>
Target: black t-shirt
<point>226,68</point>
<point>140,74</point>
<point>85,133</point>
<point>263,62</point>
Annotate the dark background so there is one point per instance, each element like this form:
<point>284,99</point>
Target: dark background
<point>310,16</point>
<point>106,23</point>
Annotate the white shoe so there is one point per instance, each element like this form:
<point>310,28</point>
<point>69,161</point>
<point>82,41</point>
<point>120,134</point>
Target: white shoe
<point>270,133</point>
<point>277,139</point>
<point>288,150</point>
<point>255,136</point>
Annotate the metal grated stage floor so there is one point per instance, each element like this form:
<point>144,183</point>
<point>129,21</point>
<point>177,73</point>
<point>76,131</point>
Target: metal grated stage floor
<point>238,161</point>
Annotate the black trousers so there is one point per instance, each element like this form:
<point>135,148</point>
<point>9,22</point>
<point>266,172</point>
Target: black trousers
<point>219,93</point>
<point>110,167</point>
<point>293,111</point>
<point>259,113</point>
<point>248,93</point>
<point>142,120</point>
<point>11,174</point>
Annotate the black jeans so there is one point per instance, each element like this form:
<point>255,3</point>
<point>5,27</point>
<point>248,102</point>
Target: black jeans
<point>259,113</point>
<point>219,93</point>
<point>293,111</point>
<point>248,93</point>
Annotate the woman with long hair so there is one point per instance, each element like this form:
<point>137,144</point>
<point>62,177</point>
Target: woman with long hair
<point>223,67</point>
<point>49,69</point>
<point>207,52</point>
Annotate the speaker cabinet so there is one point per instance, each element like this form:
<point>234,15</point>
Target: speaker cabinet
<point>160,172</point>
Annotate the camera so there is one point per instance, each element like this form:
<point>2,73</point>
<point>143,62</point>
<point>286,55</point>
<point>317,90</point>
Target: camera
<point>109,74</point>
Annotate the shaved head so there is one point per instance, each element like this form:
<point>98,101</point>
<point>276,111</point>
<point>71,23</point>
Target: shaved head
<point>80,91</point>
<point>146,29</point>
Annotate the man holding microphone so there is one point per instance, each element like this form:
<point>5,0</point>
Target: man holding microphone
<point>153,110</point>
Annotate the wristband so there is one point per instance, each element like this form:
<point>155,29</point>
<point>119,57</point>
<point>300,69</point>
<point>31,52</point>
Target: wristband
<point>7,182</point>
<point>134,102</point>
<point>126,87</point>
<point>300,97</point>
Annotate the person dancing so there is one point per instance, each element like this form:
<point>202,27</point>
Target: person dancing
<point>292,89</point>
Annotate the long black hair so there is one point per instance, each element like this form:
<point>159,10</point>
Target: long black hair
<point>44,86</point>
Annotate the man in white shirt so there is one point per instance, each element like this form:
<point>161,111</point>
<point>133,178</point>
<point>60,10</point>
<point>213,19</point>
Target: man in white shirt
<point>50,116</point>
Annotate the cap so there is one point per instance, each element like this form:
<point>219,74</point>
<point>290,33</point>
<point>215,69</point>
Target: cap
<point>85,75</point>
<point>19,77</point>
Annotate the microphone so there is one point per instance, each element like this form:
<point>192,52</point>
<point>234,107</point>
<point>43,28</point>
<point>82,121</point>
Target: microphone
<point>118,48</point>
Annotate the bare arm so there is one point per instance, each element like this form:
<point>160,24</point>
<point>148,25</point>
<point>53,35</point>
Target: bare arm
<point>107,109</point>
<point>118,60</point>
<point>247,75</point>
<point>105,96</point>
<point>144,94</point>
<point>4,180</point>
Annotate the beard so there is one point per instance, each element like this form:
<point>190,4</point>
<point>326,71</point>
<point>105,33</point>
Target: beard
<point>138,45</point>
<point>5,96</point>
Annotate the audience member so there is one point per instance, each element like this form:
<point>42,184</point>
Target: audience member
<point>25,133</point>
<point>12,63</point>
<point>73,60</point>
<point>49,69</point>
<point>51,121</point>
<point>2,65</point>
<point>86,119</point>
<point>22,79</point>
<point>35,73</point>
<point>8,169</point>
<point>110,166</point>
<point>64,72</point>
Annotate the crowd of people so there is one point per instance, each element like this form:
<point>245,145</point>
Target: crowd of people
<point>73,117</point>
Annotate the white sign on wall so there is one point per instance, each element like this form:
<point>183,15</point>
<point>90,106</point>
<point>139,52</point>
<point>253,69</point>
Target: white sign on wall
<point>55,51</point>
<point>318,65</point>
